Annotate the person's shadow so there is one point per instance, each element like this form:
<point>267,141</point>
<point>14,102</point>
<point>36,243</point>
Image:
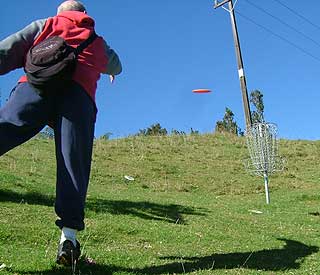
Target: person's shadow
<point>171,213</point>
<point>289,257</point>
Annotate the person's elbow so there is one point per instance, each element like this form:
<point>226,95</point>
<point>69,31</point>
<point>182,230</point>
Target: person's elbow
<point>114,66</point>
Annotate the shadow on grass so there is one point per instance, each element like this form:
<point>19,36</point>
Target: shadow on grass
<point>171,213</point>
<point>289,257</point>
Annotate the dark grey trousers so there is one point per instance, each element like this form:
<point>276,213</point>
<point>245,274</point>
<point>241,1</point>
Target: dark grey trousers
<point>72,115</point>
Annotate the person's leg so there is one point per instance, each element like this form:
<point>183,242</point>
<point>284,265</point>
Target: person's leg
<point>74,133</point>
<point>22,117</point>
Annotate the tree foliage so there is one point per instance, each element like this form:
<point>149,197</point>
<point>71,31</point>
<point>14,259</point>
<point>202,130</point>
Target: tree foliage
<point>177,132</point>
<point>47,133</point>
<point>227,124</point>
<point>256,98</point>
<point>106,136</point>
<point>157,130</point>
<point>194,132</point>
<point>153,130</point>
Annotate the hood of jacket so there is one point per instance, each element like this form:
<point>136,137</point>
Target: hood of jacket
<point>79,18</point>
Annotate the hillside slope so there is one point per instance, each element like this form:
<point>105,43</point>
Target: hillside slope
<point>167,205</point>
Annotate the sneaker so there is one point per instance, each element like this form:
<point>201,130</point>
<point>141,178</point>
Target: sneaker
<point>68,254</point>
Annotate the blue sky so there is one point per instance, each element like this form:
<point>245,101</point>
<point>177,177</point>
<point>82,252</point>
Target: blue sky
<point>168,48</point>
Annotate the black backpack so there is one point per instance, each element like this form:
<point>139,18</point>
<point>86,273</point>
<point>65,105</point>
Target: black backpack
<point>51,63</point>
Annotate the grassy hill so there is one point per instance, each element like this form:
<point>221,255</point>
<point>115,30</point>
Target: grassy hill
<point>187,211</point>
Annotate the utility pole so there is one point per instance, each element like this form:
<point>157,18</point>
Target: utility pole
<point>242,78</point>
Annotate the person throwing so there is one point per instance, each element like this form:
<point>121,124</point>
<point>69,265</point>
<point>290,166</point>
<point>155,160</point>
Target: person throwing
<point>70,111</point>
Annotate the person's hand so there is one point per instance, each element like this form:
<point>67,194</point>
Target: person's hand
<point>112,78</point>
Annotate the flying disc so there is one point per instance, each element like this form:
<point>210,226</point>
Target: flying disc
<point>201,91</point>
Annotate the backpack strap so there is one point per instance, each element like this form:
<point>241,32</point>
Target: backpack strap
<point>86,43</point>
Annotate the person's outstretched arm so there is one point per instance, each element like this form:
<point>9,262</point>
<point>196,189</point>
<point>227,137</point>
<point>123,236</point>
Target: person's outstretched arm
<point>14,48</point>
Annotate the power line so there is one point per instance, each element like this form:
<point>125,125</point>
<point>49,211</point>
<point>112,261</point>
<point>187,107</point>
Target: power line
<point>284,23</point>
<point>297,14</point>
<point>279,36</point>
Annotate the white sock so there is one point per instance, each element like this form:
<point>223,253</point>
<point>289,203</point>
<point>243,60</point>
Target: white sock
<point>68,234</point>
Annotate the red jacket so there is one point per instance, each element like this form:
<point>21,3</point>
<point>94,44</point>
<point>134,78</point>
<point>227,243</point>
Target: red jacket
<point>75,27</point>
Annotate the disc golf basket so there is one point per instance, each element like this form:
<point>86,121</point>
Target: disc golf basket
<point>263,149</point>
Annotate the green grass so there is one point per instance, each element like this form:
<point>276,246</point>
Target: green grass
<point>188,211</point>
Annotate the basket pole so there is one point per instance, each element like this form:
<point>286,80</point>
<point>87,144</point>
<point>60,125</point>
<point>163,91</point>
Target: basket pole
<point>266,187</point>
